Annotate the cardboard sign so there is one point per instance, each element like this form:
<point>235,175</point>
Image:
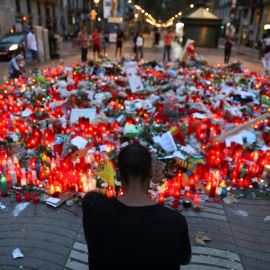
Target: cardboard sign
<point>134,77</point>
<point>87,113</point>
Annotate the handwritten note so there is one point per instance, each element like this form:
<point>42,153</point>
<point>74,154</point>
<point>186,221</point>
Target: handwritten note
<point>166,142</point>
<point>134,77</point>
<point>87,113</point>
<point>79,142</point>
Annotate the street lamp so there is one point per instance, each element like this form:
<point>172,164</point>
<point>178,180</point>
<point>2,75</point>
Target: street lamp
<point>192,6</point>
<point>96,3</point>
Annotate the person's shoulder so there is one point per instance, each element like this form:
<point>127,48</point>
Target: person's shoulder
<point>172,215</point>
<point>92,197</point>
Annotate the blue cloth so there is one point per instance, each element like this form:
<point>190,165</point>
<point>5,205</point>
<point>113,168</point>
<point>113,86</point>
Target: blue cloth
<point>167,50</point>
<point>13,67</point>
<point>34,54</point>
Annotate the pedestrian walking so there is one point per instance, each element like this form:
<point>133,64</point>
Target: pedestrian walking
<point>266,56</point>
<point>168,38</point>
<point>125,228</point>
<point>119,42</point>
<point>95,37</point>
<point>16,66</point>
<point>83,38</point>
<point>132,35</point>
<point>157,38</point>
<point>139,44</point>
<point>32,45</point>
<point>103,42</point>
<point>229,41</point>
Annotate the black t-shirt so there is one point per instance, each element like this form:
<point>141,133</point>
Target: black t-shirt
<point>228,44</point>
<point>121,237</point>
<point>120,35</point>
<point>157,36</point>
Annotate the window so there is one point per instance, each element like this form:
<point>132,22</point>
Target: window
<point>28,6</point>
<point>18,6</point>
<point>38,8</point>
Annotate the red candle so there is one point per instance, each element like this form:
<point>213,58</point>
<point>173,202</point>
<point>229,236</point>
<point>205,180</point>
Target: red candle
<point>188,194</point>
<point>37,182</point>
<point>233,182</point>
<point>18,197</point>
<point>120,192</point>
<point>196,198</point>
<point>110,192</point>
<point>175,203</point>
<point>161,198</point>
<point>35,198</point>
<point>29,177</point>
<point>27,197</point>
<point>241,182</point>
<point>177,194</point>
<point>212,192</point>
<point>171,192</point>
<point>166,192</point>
<point>191,182</point>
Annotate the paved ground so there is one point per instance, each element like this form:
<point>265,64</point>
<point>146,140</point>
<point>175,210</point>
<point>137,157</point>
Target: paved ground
<point>53,238</point>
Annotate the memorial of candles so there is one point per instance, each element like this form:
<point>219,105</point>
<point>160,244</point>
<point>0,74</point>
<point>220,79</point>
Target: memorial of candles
<point>43,123</point>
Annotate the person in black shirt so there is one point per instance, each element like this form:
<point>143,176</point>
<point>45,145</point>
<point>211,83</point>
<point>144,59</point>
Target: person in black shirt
<point>157,37</point>
<point>133,232</point>
<point>228,47</point>
<point>119,42</point>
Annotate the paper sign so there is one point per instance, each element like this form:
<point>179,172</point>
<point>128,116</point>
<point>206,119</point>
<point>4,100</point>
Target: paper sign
<point>87,113</point>
<point>79,142</point>
<point>90,94</point>
<point>166,141</point>
<point>199,115</point>
<point>237,138</point>
<point>134,77</point>
<point>251,137</point>
<point>26,112</point>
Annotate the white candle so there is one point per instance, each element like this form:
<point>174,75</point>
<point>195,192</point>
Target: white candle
<point>13,177</point>
<point>23,182</point>
<point>34,175</point>
<point>92,184</point>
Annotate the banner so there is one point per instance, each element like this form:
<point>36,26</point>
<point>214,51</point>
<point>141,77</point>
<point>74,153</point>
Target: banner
<point>107,7</point>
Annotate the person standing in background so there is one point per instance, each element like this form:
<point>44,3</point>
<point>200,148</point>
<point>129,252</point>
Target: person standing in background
<point>132,35</point>
<point>228,47</point>
<point>157,37</point>
<point>168,38</point>
<point>95,37</point>
<point>32,45</point>
<point>119,42</point>
<point>83,38</point>
<point>103,42</point>
<point>139,44</point>
<point>266,56</point>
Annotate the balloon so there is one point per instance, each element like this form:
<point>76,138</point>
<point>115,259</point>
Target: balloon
<point>190,48</point>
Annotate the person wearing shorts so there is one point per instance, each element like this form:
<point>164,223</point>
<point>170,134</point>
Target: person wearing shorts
<point>102,42</point>
<point>32,45</point>
<point>83,38</point>
<point>96,42</point>
<point>119,42</point>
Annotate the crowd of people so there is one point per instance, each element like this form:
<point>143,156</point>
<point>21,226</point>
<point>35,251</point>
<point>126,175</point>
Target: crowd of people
<point>98,42</point>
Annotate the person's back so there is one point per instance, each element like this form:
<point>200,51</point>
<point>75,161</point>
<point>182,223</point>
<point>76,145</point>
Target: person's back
<point>168,38</point>
<point>132,231</point>
<point>31,40</point>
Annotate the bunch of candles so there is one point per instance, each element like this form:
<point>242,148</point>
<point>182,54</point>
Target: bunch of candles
<point>36,122</point>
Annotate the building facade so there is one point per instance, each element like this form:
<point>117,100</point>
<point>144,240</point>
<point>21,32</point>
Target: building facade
<point>59,16</point>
